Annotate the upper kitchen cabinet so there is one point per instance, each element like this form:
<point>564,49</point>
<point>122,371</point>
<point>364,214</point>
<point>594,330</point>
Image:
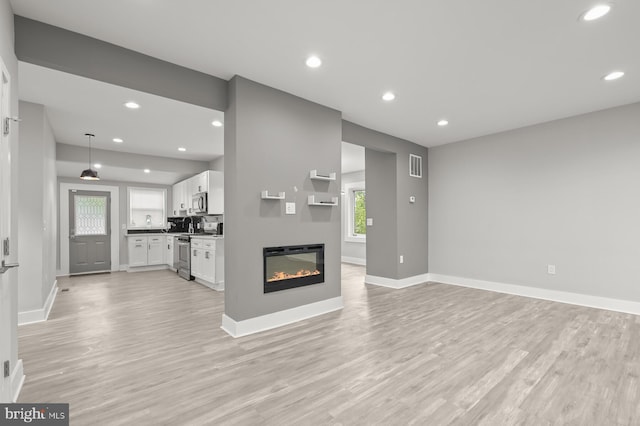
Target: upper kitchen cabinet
<point>200,183</point>
<point>147,208</point>
<point>210,182</point>
<point>180,203</point>
<point>216,192</point>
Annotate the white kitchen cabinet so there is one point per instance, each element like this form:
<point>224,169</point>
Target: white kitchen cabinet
<point>168,255</point>
<point>181,199</point>
<point>146,250</point>
<point>207,263</point>
<point>216,192</point>
<point>155,253</point>
<point>209,181</point>
<point>200,182</point>
<point>137,251</point>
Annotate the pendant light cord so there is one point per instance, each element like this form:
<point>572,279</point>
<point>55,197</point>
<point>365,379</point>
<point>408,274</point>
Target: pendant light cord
<point>89,135</point>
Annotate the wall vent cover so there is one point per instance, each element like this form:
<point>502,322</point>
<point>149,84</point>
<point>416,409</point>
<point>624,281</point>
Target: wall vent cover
<point>415,166</point>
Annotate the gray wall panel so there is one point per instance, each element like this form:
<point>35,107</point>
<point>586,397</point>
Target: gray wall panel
<point>503,207</point>
<point>411,226</point>
<point>272,141</point>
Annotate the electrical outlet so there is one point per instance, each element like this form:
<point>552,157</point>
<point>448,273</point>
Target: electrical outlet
<point>7,368</point>
<point>369,221</point>
<point>290,208</point>
<point>551,269</point>
<point>401,259</point>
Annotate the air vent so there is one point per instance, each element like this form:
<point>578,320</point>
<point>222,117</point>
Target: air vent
<point>415,166</point>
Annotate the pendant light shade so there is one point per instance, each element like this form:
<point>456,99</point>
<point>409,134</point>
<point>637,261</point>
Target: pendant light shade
<point>89,174</point>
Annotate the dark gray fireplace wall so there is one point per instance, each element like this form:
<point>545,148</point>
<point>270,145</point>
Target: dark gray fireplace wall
<point>272,141</point>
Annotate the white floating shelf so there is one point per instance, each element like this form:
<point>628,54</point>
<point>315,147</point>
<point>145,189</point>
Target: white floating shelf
<point>314,175</point>
<point>266,196</point>
<point>313,202</point>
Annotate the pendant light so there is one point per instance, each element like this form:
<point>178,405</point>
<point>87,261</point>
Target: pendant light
<point>89,174</point>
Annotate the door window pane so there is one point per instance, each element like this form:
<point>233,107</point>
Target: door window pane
<point>90,214</point>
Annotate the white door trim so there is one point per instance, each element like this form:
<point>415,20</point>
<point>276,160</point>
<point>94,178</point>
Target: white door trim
<point>64,222</point>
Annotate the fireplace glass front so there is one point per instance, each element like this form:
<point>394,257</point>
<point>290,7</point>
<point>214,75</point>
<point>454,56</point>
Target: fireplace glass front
<point>293,266</point>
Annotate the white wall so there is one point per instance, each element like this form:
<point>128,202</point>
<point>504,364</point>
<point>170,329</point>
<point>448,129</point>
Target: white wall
<point>37,203</point>
<point>567,193</point>
<point>351,252</point>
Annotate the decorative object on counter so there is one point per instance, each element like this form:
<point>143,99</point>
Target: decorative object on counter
<point>266,196</point>
<point>89,174</point>
<point>326,203</point>
<point>317,176</point>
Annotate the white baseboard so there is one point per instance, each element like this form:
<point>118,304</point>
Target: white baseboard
<point>354,260</point>
<point>213,286</point>
<point>17,380</point>
<point>392,283</point>
<point>39,315</point>
<point>123,268</point>
<point>598,302</point>
<point>278,319</point>
<point>147,268</point>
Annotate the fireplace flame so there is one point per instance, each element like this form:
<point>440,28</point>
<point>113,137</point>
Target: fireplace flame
<point>278,276</point>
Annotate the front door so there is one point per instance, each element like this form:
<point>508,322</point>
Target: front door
<point>89,231</point>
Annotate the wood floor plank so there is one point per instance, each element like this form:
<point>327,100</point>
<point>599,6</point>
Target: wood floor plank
<point>147,348</point>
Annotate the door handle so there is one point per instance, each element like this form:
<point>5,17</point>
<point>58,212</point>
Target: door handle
<point>6,266</point>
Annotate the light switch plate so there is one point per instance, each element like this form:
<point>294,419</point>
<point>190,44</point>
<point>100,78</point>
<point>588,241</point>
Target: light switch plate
<point>290,208</point>
<point>369,221</point>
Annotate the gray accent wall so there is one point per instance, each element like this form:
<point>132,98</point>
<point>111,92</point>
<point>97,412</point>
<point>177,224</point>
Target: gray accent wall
<point>409,232</point>
<point>272,141</point>
<point>565,193</point>
<point>37,204</point>
<point>382,237</point>
<point>353,250</point>
<point>63,50</point>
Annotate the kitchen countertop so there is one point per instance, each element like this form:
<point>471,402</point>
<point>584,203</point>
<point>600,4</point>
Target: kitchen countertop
<point>177,234</point>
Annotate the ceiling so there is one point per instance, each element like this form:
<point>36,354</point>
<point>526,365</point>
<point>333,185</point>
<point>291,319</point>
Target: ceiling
<point>486,66</point>
<point>78,105</point>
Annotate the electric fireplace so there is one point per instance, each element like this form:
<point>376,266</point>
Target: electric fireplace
<point>292,266</point>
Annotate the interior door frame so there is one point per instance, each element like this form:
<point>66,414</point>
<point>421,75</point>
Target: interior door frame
<point>64,223</point>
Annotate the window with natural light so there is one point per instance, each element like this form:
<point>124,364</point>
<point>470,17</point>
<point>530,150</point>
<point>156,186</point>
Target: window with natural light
<point>356,214</point>
<point>147,208</point>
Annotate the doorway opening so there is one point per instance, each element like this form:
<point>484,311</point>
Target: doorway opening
<point>354,214</point>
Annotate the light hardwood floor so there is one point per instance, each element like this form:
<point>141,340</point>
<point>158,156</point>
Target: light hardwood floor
<point>146,349</point>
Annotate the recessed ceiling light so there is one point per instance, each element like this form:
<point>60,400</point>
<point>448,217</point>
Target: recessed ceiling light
<point>147,171</point>
<point>313,62</point>
<point>118,140</point>
<point>443,123</point>
<point>596,12</point>
<point>97,166</point>
<point>182,149</point>
<point>613,75</point>
<point>216,123</point>
<point>389,96</point>
<point>132,105</point>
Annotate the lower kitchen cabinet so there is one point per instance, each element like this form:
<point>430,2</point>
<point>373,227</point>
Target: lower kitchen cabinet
<point>207,262</point>
<point>168,254</point>
<point>138,251</point>
<point>146,250</point>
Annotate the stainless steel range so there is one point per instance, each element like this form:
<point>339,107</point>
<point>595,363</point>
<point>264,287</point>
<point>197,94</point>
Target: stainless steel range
<point>183,248</point>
